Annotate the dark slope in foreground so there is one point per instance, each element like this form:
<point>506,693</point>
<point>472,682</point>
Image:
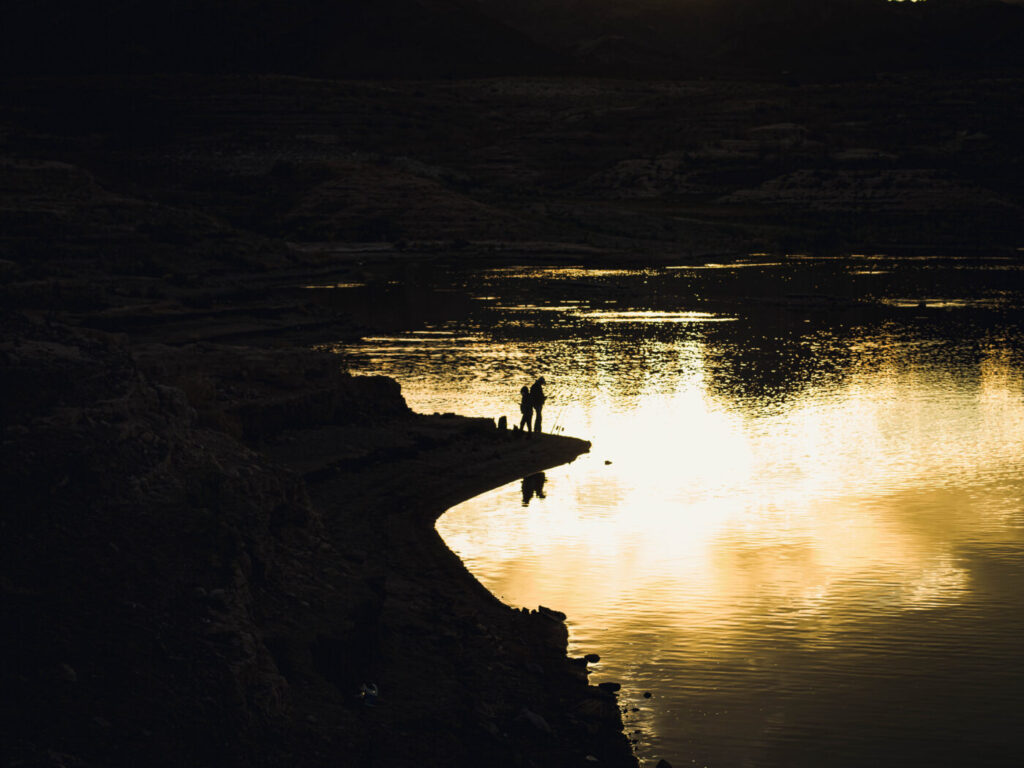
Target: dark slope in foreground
<point>207,550</point>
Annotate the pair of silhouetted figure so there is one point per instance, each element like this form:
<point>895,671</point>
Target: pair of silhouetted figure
<point>531,405</point>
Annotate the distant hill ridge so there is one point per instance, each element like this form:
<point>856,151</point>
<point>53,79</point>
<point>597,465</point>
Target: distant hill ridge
<point>686,37</point>
<point>349,38</point>
<point>472,38</point>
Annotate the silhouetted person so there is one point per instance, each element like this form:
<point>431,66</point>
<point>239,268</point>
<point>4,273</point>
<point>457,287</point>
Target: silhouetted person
<point>526,408</point>
<point>537,400</point>
<point>533,484</point>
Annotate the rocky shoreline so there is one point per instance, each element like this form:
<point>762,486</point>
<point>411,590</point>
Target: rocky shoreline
<point>209,551</point>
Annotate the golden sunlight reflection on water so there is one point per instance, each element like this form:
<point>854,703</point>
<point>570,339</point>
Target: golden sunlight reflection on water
<point>803,568</point>
<point>723,533</point>
<point>704,508</point>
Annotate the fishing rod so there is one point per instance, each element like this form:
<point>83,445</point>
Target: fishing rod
<point>556,424</point>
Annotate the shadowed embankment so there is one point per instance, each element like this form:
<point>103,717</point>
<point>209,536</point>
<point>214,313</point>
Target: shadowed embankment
<point>207,550</point>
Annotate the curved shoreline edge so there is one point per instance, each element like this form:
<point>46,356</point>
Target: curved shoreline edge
<point>210,551</point>
<point>454,664</point>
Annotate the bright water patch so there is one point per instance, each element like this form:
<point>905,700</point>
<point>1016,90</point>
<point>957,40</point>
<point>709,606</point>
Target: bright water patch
<point>801,530</point>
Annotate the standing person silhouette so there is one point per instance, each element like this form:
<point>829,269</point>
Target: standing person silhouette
<point>537,400</point>
<point>526,408</point>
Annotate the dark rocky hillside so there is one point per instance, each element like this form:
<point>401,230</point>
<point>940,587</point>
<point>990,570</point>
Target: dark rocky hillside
<point>222,178</point>
<point>207,550</point>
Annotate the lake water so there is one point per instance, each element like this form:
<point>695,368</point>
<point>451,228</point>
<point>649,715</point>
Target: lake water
<point>801,524</point>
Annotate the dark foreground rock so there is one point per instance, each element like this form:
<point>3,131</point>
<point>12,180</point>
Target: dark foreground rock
<point>216,555</point>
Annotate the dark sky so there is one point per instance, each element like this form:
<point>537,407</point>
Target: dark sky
<point>431,38</point>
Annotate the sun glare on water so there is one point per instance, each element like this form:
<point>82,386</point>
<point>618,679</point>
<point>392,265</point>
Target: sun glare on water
<point>796,537</point>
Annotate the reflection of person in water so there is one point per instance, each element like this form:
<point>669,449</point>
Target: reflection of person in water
<point>533,485</point>
<point>526,408</point>
<point>537,400</point>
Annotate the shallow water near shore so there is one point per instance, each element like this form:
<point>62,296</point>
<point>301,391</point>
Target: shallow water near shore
<point>801,525</point>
